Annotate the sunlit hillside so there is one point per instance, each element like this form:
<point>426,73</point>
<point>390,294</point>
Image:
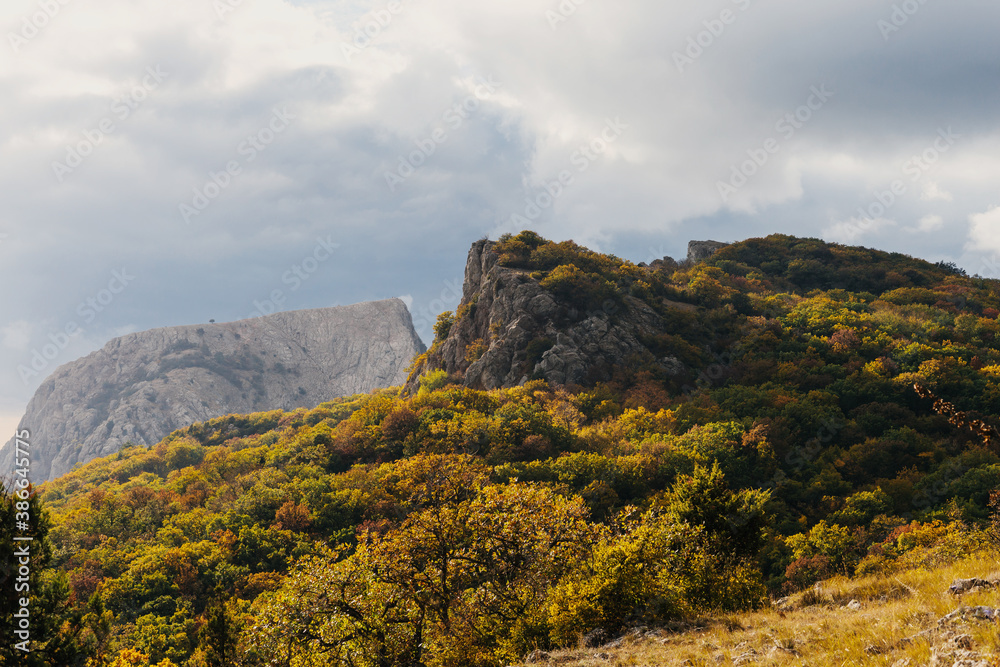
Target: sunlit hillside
<point>660,515</point>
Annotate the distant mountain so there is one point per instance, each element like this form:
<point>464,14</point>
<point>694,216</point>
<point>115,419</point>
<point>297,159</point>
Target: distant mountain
<point>142,386</point>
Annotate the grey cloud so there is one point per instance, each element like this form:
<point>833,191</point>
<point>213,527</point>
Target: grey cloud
<point>654,189</point>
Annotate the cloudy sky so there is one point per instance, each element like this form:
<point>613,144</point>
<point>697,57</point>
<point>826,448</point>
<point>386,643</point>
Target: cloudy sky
<point>168,163</point>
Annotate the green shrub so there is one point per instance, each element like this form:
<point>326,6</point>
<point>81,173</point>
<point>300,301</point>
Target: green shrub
<point>586,290</point>
<point>443,325</point>
<point>433,381</point>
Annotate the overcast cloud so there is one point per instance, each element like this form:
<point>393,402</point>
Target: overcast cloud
<point>168,163</point>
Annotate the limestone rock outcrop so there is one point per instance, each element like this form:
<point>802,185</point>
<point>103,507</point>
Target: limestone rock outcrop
<point>510,329</point>
<point>140,387</point>
<point>702,250</point>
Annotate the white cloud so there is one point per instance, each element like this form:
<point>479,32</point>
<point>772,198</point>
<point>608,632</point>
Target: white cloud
<point>930,223</point>
<point>984,231</point>
<point>931,191</point>
<point>853,230</point>
<point>686,130</point>
<point>17,335</point>
<point>121,331</point>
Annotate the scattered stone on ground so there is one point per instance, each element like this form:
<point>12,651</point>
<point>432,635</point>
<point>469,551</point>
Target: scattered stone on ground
<point>971,585</point>
<point>537,656</point>
<point>595,638</point>
<point>747,656</point>
<point>979,613</point>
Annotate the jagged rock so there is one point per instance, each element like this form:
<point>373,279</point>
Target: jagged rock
<point>594,638</point>
<point>140,387</point>
<point>979,613</point>
<point>668,263</point>
<point>783,646</point>
<point>961,586</point>
<point>537,655</point>
<point>702,250</point>
<point>508,312</point>
<point>957,651</point>
<point>880,648</point>
<point>784,604</point>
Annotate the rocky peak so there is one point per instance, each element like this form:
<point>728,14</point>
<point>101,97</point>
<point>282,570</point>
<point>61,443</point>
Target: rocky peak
<point>509,329</point>
<point>702,250</point>
<point>698,251</point>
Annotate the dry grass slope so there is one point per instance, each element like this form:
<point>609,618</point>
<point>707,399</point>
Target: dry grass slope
<point>892,620</point>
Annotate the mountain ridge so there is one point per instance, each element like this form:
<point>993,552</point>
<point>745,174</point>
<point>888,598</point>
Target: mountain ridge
<point>531,308</point>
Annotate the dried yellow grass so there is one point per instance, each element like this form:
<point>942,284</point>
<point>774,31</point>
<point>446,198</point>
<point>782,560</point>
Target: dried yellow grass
<point>896,624</point>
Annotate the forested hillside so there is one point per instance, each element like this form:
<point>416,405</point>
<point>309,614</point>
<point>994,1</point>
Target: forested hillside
<point>819,414</point>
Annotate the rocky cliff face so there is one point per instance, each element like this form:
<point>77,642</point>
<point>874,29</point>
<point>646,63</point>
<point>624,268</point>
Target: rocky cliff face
<point>701,250</point>
<point>142,386</point>
<point>510,329</point>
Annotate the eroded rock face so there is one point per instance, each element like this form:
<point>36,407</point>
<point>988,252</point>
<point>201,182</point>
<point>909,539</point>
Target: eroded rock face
<point>524,332</point>
<point>702,250</point>
<point>962,586</point>
<point>140,387</point>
